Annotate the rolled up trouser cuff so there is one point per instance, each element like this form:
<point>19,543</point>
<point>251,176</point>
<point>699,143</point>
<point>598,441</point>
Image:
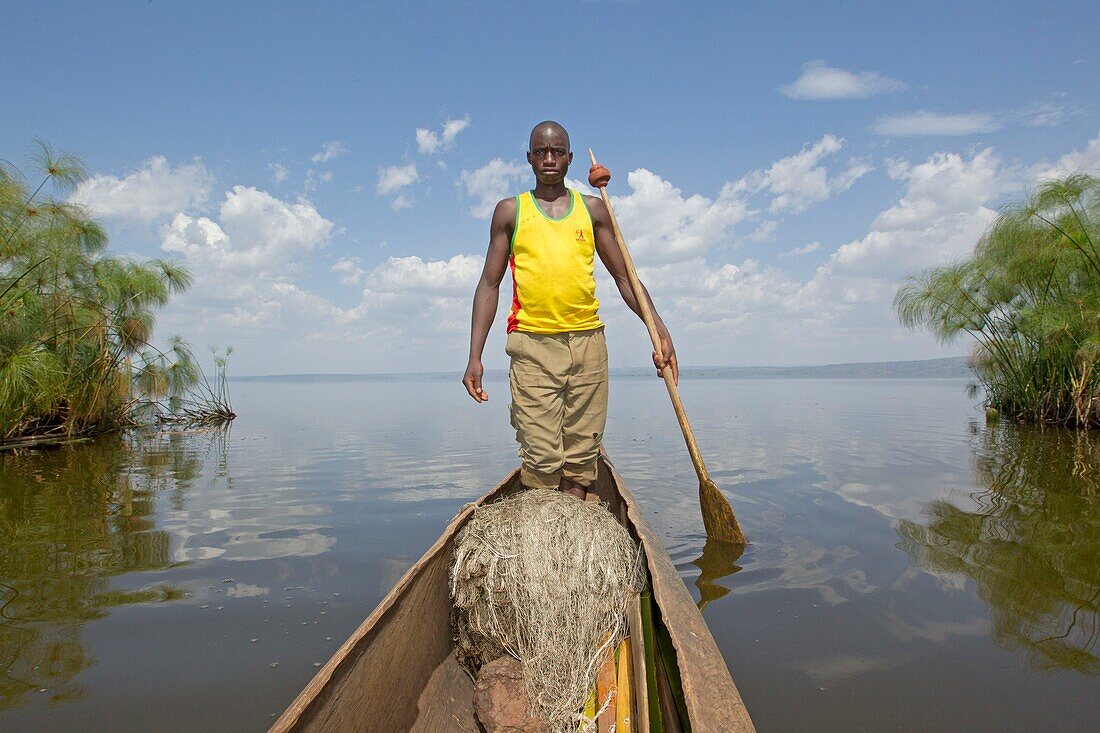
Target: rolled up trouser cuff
<point>585,475</point>
<point>536,480</point>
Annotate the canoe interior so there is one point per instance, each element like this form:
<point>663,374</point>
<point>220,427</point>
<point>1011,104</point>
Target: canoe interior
<point>397,671</point>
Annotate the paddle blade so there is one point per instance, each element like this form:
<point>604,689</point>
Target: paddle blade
<point>718,517</point>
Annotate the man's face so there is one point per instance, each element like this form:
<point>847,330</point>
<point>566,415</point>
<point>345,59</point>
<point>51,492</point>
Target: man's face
<point>549,155</point>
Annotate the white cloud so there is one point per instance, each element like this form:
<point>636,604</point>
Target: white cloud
<point>392,179</point>
<point>661,225</point>
<point>195,238</point>
<point>694,293</point>
<point>427,142</point>
<point>451,128</point>
<point>581,186</point>
<point>842,312</point>
<point>279,172</point>
<point>1045,114</point>
<point>797,251</point>
<point>314,179</point>
<point>262,220</point>
<point>456,276</point>
<point>720,311</point>
<point>1074,162</point>
<point>943,212</point>
<point>490,183</point>
<point>247,257</point>
<point>277,306</point>
<point>1040,114</point>
<point>430,143</point>
<point>800,180</point>
<point>257,233</point>
<point>330,151</point>
<point>820,81</point>
<point>846,311</point>
<point>349,270</point>
<point>243,263</point>
<point>155,191</point>
<point>426,297</point>
<point>764,232</point>
<point>935,123</point>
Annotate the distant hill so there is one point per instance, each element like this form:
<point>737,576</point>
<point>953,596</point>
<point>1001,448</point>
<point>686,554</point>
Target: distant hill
<point>953,367</point>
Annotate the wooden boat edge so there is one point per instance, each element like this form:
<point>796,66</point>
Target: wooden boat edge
<point>706,677</point>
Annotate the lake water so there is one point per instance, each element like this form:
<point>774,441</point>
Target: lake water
<point>911,569</point>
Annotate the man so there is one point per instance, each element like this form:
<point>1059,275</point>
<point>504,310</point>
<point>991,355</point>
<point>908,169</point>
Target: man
<point>558,373</point>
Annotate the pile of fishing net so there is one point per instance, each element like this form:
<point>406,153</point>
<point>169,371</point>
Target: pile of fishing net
<point>544,577</point>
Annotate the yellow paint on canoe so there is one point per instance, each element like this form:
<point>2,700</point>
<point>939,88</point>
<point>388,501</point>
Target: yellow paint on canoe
<point>590,705</point>
<point>623,718</point>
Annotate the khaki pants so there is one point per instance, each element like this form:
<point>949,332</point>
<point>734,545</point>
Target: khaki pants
<point>559,404</point>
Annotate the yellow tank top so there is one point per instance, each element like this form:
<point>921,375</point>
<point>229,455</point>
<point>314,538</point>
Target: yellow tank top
<point>553,286</point>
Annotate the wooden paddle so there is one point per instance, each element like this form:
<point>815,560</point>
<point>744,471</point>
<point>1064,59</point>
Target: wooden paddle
<point>718,517</point>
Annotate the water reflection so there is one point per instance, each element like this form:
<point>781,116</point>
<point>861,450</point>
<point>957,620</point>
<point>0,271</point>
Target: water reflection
<point>1031,544</point>
<point>71,519</point>
<point>719,560</point>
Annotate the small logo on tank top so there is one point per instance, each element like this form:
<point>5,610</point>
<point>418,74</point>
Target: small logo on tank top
<point>580,235</point>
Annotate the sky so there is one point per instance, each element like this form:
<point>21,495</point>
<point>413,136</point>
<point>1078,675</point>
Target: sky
<point>326,171</point>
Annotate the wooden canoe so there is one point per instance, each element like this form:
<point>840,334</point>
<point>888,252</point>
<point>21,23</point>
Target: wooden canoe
<point>397,672</point>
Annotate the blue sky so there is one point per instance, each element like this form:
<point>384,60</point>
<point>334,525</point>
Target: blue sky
<point>777,166</point>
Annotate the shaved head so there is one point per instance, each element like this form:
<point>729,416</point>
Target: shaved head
<point>548,126</point>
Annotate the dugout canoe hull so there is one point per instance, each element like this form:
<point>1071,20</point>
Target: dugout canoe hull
<point>397,673</point>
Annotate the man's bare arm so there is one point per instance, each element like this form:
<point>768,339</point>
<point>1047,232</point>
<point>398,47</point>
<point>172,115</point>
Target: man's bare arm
<point>608,250</point>
<point>487,294</point>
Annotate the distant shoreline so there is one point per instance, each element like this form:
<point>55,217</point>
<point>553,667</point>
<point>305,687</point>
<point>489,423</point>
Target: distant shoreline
<point>953,367</point>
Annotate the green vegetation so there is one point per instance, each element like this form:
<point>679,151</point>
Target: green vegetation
<point>1030,543</point>
<point>75,323</point>
<point>1030,297</point>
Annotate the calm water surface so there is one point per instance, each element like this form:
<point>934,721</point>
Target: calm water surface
<point>910,569</point>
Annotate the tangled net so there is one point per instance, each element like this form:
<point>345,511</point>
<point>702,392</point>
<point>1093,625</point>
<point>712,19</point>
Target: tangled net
<point>545,577</point>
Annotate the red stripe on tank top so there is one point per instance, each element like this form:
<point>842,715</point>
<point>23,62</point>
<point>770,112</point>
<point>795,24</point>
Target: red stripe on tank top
<point>513,316</point>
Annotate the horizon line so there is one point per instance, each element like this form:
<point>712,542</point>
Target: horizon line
<point>612,369</point>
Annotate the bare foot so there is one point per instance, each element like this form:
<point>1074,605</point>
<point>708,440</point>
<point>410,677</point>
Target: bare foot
<point>573,488</point>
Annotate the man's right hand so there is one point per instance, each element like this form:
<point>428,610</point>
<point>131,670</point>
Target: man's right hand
<point>472,380</point>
